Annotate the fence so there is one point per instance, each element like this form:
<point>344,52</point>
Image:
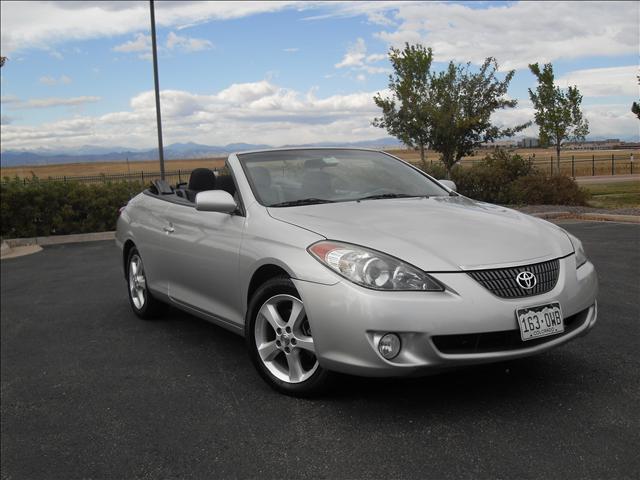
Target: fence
<point>573,166</point>
<point>173,177</point>
<point>577,165</point>
<point>583,166</point>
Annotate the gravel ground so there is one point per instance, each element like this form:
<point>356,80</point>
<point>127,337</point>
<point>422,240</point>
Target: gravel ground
<point>574,209</point>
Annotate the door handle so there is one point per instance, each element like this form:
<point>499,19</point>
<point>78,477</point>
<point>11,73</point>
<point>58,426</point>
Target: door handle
<point>169,229</point>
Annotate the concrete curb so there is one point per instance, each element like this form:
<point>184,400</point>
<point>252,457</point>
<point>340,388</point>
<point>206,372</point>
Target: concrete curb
<point>59,239</point>
<point>551,215</point>
<point>19,251</point>
<point>594,217</point>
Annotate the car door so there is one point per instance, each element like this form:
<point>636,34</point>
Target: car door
<point>204,265</point>
<point>147,224</point>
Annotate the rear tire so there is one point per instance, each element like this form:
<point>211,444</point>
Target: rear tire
<point>143,304</point>
<point>280,342</point>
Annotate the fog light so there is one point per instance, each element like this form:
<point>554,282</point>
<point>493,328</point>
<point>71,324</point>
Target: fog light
<point>389,346</point>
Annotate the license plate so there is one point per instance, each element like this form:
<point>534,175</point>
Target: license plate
<point>540,321</point>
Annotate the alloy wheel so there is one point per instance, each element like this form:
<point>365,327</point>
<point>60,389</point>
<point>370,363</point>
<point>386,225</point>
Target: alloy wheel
<point>137,282</point>
<point>283,339</point>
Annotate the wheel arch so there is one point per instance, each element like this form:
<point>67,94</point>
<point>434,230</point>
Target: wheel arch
<point>126,248</point>
<point>261,275</point>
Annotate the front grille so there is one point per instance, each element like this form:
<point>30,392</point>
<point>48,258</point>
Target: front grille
<point>500,341</point>
<point>502,281</point>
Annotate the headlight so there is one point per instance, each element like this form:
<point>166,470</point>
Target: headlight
<point>372,269</point>
<point>581,257</point>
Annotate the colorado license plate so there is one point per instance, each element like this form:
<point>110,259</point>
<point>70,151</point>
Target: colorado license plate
<point>540,321</point>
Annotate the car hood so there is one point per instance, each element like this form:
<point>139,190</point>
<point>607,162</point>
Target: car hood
<point>437,233</point>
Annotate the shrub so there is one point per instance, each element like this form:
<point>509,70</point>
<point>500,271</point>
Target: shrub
<point>436,170</point>
<point>510,180</point>
<point>544,190</point>
<point>34,208</point>
<point>489,180</point>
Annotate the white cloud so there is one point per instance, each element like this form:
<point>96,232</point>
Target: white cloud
<point>519,33</point>
<point>49,80</point>
<point>602,82</point>
<point>56,54</point>
<point>9,99</point>
<point>377,13</point>
<point>141,43</point>
<point>40,24</point>
<point>187,44</point>
<point>356,58</point>
<point>611,121</point>
<point>605,121</point>
<point>17,104</point>
<point>291,50</point>
<point>515,33</point>
<point>257,112</point>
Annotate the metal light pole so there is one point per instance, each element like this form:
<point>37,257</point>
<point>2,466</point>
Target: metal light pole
<point>155,78</point>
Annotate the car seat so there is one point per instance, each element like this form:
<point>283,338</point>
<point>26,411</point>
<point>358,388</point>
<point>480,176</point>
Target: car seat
<point>201,179</point>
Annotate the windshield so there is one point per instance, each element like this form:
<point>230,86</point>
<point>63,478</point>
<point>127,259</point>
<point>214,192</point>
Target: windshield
<point>303,177</point>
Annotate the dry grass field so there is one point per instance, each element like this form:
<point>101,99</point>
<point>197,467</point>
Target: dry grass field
<point>98,168</point>
<point>583,163</point>
<point>586,162</point>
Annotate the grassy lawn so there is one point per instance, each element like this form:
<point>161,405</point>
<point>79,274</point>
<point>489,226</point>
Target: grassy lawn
<point>614,195</point>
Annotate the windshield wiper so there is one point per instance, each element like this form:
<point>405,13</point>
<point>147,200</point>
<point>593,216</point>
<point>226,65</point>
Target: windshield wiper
<point>302,201</point>
<point>391,195</point>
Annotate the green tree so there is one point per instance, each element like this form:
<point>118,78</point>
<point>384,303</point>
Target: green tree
<point>448,111</point>
<point>558,114</point>
<point>405,115</point>
<point>462,102</point>
<point>2,60</point>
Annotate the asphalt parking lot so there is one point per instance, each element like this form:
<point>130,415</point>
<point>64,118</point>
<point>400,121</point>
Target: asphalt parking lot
<point>90,391</point>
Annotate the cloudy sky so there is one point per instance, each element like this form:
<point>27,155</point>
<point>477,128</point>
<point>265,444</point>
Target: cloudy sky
<point>79,73</point>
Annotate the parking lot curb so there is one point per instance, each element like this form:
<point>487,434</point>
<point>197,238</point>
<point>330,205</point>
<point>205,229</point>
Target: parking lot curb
<point>551,215</point>
<point>59,239</point>
<point>610,217</point>
<point>592,217</point>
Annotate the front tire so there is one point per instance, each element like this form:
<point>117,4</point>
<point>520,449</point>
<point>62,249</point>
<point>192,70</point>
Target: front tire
<point>280,341</point>
<point>143,304</point>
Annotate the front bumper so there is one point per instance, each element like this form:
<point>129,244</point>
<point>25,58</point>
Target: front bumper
<point>348,320</point>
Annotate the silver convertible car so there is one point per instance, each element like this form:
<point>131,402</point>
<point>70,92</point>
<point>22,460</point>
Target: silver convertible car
<point>353,261</point>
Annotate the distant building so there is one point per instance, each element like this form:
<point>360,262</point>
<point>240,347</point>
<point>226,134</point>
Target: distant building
<point>529,142</point>
<point>608,144</point>
<point>500,144</point>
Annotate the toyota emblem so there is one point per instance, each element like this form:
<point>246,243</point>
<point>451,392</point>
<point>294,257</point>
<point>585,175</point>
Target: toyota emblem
<point>526,280</point>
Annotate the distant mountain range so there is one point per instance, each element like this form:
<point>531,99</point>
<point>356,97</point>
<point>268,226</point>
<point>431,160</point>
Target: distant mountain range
<point>92,153</point>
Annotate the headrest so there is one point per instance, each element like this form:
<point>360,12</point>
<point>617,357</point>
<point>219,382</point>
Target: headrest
<point>202,179</point>
<point>225,182</point>
<point>314,163</point>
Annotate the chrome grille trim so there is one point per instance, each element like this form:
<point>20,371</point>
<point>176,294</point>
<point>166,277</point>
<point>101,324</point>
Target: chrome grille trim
<point>502,281</point>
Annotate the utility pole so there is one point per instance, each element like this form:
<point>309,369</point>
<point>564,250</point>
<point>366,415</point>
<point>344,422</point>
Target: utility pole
<point>157,85</point>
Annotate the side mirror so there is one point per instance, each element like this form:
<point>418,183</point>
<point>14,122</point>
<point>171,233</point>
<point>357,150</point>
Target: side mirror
<point>449,184</point>
<point>215,201</point>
